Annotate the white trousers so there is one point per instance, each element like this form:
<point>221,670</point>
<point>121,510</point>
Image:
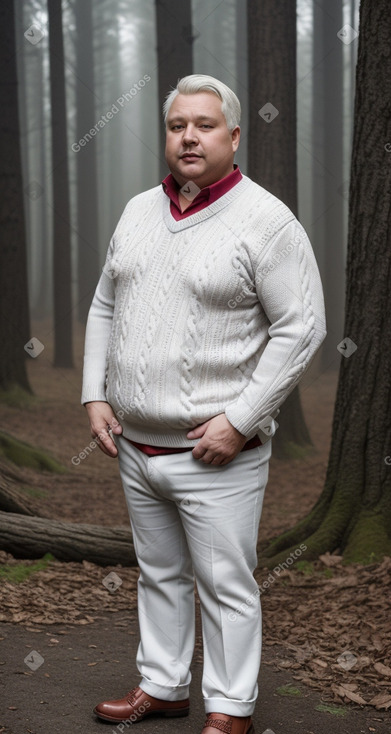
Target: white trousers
<point>192,520</point>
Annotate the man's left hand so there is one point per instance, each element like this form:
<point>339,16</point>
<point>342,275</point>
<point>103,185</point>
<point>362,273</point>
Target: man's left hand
<point>220,441</point>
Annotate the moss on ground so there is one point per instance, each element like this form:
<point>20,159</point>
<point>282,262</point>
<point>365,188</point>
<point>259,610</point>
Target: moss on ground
<point>33,491</point>
<point>336,710</point>
<point>368,541</point>
<point>289,690</point>
<point>23,454</point>
<point>17,397</point>
<point>20,571</point>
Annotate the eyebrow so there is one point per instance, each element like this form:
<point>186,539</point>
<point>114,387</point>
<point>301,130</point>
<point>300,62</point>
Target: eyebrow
<point>180,118</point>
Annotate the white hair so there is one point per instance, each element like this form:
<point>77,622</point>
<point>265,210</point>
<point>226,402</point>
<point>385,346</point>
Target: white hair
<point>230,105</point>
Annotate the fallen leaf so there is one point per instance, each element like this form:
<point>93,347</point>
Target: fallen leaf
<point>382,700</point>
<point>330,560</point>
<point>383,669</point>
<point>351,695</point>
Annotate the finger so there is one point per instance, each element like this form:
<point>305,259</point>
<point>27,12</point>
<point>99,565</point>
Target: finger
<point>116,427</point>
<point>198,452</point>
<point>210,458</point>
<point>105,442</point>
<point>218,461</point>
<point>109,450</point>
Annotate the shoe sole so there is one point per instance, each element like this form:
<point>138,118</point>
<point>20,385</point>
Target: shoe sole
<point>251,730</point>
<point>166,714</point>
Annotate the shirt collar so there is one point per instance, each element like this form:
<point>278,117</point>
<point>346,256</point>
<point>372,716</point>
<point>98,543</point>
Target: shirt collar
<point>208,194</point>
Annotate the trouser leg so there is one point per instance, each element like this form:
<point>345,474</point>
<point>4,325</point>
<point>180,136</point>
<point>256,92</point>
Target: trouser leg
<point>166,582</point>
<point>220,509</point>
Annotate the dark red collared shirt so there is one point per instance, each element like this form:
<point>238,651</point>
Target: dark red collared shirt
<point>204,198</point>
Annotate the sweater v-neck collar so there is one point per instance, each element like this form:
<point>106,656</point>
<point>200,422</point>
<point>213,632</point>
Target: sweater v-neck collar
<point>176,226</point>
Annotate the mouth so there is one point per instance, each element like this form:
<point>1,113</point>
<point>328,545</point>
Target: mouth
<point>190,156</point>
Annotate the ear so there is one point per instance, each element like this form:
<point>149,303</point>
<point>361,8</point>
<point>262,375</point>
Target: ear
<point>235,135</point>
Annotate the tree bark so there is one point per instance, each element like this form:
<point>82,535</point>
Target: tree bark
<point>272,158</point>
<point>328,149</point>
<point>61,201</point>
<point>11,499</point>
<point>353,513</point>
<point>14,307</point>
<point>32,537</point>
<point>175,54</point>
<point>87,190</point>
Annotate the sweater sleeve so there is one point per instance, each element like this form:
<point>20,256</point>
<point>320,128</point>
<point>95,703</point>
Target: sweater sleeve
<point>289,289</point>
<point>98,332</point>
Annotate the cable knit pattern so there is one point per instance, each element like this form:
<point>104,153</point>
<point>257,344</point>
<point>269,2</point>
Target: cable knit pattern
<point>221,311</point>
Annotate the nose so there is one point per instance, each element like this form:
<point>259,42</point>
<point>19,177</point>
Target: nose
<point>189,135</point>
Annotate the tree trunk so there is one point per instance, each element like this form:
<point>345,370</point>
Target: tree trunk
<point>32,537</point>
<point>328,139</point>
<point>241,75</point>
<point>12,500</point>
<point>87,191</point>
<point>272,160</point>
<point>353,513</point>
<point>61,204</point>
<point>14,308</point>
<point>175,54</point>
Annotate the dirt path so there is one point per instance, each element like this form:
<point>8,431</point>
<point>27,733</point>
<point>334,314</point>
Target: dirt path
<point>82,666</point>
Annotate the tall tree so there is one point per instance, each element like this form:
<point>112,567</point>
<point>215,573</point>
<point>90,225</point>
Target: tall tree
<point>175,53</point>
<point>272,159</point>
<point>14,323</point>
<point>32,83</point>
<point>61,205</point>
<point>353,513</point>
<point>328,138</point>
<point>86,168</point>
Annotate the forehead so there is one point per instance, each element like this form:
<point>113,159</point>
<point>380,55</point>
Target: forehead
<point>191,106</point>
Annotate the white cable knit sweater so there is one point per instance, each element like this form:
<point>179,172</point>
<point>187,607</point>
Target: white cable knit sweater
<point>219,312</point>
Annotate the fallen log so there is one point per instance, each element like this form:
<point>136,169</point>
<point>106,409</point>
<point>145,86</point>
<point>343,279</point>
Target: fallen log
<point>32,537</point>
<point>12,498</point>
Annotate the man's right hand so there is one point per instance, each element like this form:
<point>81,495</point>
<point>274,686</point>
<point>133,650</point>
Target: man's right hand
<point>102,420</point>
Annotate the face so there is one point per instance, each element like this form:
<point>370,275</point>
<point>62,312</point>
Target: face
<point>199,146</point>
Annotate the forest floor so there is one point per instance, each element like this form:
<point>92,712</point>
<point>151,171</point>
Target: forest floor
<point>327,638</point>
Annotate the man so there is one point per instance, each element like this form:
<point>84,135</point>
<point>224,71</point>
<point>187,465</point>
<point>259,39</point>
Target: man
<point>207,314</point>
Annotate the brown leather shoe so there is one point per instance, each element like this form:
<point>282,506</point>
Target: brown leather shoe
<point>136,705</point>
<point>228,724</point>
